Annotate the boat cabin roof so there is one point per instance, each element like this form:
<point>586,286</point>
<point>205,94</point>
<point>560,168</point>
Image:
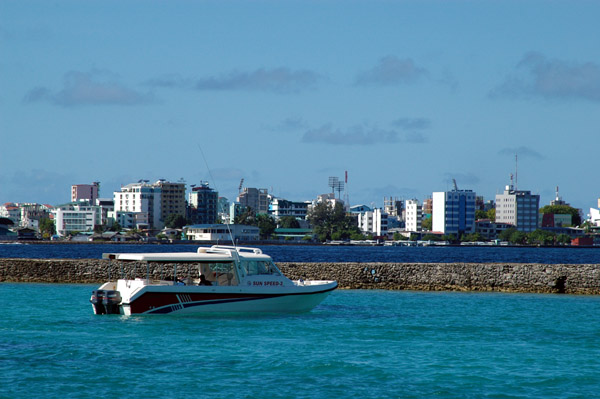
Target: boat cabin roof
<point>216,253</point>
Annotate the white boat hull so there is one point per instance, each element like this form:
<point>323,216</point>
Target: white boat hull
<point>188,300</point>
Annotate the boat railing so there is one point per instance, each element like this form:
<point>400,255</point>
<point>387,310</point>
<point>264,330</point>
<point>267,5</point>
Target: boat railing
<point>257,251</point>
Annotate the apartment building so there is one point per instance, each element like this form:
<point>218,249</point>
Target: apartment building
<point>373,222</point>
<point>157,201</point>
<point>256,199</point>
<point>279,207</point>
<point>76,217</point>
<point>203,204</point>
<point>519,208</point>
<point>87,192</point>
<point>413,215</point>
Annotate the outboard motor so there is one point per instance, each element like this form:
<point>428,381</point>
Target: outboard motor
<point>106,301</point>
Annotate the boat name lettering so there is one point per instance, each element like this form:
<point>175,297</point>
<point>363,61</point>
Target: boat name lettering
<point>267,283</point>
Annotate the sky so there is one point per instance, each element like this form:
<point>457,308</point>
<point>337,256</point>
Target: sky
<point>403,95</point>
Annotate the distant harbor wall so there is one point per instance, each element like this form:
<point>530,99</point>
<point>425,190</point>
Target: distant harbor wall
<point>506,277</point>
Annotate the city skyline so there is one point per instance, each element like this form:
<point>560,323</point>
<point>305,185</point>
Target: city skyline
<point>404,95</point>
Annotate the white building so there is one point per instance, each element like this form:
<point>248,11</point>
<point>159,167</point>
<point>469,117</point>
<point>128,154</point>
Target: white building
<point>221,232</point>
<point>413,215</point>
<point>454,212</point>
<point>107,206</point>
<point>11,211</point>
<point>153,201</point>
<point>76,217</point>
<point>595,216</point>
<point>279,207</point>
<point>130,220</point>
<point>519,208</point>
<point>374,222</point>
<point>330,198</point>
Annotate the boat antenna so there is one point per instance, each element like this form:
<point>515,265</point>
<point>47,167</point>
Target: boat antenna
<point>216,188</point>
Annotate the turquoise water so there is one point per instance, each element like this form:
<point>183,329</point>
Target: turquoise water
<point>372,344</point>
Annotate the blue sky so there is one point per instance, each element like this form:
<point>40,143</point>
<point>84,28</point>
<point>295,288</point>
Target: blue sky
<point>404,95</point>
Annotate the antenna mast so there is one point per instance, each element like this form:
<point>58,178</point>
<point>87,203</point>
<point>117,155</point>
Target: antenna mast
<point>516,172</point>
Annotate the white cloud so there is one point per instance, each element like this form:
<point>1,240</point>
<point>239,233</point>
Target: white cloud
<point>277,80</point>
<point>391,71</point>
<point>356,135</point>
<point>521,152</point>
<point>536,75</point>
<point>359,135</point>
<point>89,88</point>
<point>412,123</point>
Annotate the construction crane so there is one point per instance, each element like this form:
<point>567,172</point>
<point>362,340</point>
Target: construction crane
<point>455,186</point>
<point>241,184</point>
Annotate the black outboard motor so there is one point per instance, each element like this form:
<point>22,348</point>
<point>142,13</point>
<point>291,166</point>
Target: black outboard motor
<point>106,301</point>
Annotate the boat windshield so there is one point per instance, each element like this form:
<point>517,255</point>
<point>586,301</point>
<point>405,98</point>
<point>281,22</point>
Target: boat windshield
<point>221,273</point>
<point>253,268</point>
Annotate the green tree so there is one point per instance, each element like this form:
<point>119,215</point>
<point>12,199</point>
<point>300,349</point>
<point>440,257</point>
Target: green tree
<point>563,239</point>
<point>480,214</point>
<point>426,223</point>
<point>175,221</point>
<point>431,237</point>
<point>506,234</point>
<point>518,237</point>
<point>563,210</point>
<point>327,219</point>
<point>248,217</point>
<point>47,228</point>
<point>266,224</point>
<point>289,222</point>
<point>116,227</point>
<point>474,237</point>
<point>541,237</point>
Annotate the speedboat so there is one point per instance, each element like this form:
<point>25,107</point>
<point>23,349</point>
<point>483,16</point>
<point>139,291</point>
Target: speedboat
<point>212,279</point>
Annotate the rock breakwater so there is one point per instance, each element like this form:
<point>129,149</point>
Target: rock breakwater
<point>506,277</point>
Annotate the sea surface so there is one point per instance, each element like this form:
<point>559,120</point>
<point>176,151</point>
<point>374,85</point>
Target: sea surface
<point>324,253</point>
<point>359,344</point>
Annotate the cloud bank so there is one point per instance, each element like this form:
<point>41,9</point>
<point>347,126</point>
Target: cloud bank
<point>462,179</point>
<point>89,88</point>
<point>359,135</point>
<point>280,80</point>
<point>412,123</point>
<point>536,75</point>
<point>391,71</point>
<point>521,152</point>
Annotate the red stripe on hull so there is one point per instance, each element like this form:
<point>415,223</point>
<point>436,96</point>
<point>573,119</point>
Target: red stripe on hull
<point>153,300</point>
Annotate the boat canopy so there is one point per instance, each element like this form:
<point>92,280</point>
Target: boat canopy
<point>215,253</point>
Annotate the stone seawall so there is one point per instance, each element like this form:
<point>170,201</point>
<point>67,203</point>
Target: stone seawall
<point>509,277</point>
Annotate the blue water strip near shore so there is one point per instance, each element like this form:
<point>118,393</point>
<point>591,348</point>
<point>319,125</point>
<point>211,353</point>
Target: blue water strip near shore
<point>320,253</point>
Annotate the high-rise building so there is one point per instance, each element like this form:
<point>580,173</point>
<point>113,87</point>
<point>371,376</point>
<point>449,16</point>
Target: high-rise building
<point>157,201</point>
<point>255,199</point>
<point>413,215</point>
<point>519,208</point>
<point>373,222</point>
<point>88,192</point>
<point>392,206</point>
<point>454,212</point>
<point>203,204</point>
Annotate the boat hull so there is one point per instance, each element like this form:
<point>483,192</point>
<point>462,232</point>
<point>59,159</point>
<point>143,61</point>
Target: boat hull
<point>174,300</point>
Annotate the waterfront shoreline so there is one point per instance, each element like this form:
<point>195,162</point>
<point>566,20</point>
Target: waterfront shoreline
<point>477,277</point>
